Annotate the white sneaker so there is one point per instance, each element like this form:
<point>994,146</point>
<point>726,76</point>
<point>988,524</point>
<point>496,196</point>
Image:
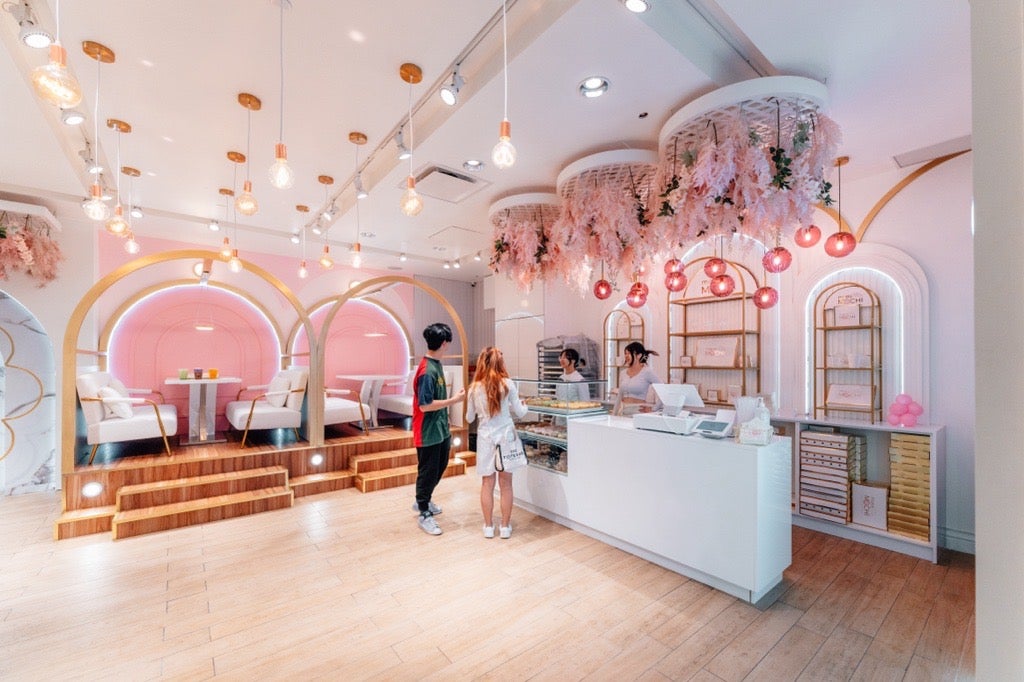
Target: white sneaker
<point>506,532</point>
<point>428,524</point>
<point>488,532</point>
<point>434,509</point>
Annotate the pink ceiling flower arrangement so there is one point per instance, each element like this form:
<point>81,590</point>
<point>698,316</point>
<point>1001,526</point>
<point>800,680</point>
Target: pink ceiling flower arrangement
<point>26,246</point>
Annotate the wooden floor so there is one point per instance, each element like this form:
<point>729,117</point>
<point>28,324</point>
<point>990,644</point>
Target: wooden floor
<point>346,586</point>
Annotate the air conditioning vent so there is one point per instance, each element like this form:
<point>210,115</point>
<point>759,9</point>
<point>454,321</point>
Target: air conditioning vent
<point>446,184</point>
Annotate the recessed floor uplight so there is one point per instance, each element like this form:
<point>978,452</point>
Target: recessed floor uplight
<point>316,460</point>
<point>595,86</point>
<point>473,165</point>
<point>637,6</point>
<point>92,489</point>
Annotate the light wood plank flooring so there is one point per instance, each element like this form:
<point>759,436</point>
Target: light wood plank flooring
<point>346,586</point>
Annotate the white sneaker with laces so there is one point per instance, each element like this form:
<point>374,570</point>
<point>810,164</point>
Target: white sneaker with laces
<point>506,532</point>
<point>428,524</point>
<point>488,532</point>
<point>434,509</point>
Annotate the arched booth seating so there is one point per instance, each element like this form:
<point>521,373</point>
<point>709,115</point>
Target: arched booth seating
<point>112,415</point>
<point>401,402</point>
<point>341,410</point>
<point>275,405</point>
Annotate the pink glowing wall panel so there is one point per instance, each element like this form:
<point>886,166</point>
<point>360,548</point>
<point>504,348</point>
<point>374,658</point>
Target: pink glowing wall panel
<point>157,336</point>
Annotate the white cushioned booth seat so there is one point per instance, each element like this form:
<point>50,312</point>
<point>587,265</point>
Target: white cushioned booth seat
<point>142,421</point>
<point>265,415</point>
<point>399,403</point>
<point>339,410</point>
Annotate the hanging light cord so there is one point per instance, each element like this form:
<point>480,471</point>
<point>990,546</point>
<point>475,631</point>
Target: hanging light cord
<point>248,139</point>
<point>504,42</point>
<point>839,196</point>
<point>117,171</point>
<point>58,21</point>
<point>96,110</point>
<point>411,137</point>
<point>280,43</point>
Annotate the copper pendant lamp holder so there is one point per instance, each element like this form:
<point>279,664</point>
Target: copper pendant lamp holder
<point>355,137</point>
<point>325,179</point>
<point>98,51</point>
<point>130,172</point>
<point>236,157</point>
<point>224,191</point>
<point>119,125</point>
<point>249,101</point>
<point>302,208</point>
<point>410,73</point>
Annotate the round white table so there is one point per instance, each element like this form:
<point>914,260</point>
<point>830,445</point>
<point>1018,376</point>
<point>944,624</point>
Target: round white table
<point>202,405</point>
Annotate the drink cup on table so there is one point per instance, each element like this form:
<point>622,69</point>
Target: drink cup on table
<point>197,373</point>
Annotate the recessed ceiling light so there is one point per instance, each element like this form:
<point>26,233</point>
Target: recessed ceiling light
<point>473,165</point>
<point>356,36</point>
<point>294,238</point>
<point>167,138</point>
<point>637,6</point>
<point>402,257</point>
<point>595,86</point>
<point>147,63</point>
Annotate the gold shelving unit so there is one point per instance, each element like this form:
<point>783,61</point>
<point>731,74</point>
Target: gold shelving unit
<point>696,318</point>
<point>848,352</point>
<point>620,328</point>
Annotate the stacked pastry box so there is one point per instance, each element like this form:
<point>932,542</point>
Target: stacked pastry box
<point>828,462</point>
<point>910,474</point>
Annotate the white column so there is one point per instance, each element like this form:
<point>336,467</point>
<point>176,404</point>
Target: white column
<point>997,38</point>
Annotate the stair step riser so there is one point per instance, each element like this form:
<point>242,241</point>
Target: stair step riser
<point>385,480</point>
<point>362,464</point>
<point>324,486</point>
<point>160,521</point>
<point>188,491</point>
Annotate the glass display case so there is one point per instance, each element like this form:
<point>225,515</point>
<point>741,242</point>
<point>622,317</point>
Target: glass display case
<point>552,404</point>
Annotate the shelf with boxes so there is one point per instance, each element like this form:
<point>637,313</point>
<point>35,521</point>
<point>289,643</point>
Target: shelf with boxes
<point>714,342</point>
<point>848,353</point>
<point>621,327</point>
<point>873,483</point>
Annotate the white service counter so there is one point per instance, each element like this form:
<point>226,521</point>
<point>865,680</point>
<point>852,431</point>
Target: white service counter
<point>713,510</point>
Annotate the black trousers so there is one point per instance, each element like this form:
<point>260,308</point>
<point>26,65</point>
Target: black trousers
<point>432,461</point>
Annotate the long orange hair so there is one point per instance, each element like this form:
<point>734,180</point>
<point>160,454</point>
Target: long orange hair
<point>490,373</point>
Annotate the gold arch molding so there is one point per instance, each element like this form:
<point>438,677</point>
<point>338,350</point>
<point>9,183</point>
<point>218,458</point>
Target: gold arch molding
<point>71,351</point>
<point>28,410</point>
<point>366,299</point>
<point>316,389</point>
<point>108,327</point>
<point>887,197</point>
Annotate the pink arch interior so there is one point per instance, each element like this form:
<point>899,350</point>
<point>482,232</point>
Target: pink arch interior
<point>157,337</point>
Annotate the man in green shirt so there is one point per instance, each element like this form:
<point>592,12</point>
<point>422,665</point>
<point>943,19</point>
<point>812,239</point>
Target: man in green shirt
<point>430,423</point>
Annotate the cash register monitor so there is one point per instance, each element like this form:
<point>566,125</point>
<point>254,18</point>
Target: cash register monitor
<point>677,396</point>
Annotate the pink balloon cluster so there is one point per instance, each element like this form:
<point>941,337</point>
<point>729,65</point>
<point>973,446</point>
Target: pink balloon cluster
<point>904,411</point>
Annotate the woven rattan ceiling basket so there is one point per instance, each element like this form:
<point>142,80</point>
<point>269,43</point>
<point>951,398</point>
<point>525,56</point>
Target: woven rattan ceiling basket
<point>769,106</point>
<point>544,207</point>
<point>625,168</point>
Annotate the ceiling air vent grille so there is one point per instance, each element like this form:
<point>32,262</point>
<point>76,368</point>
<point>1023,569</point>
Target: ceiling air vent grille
<point>446,184</point>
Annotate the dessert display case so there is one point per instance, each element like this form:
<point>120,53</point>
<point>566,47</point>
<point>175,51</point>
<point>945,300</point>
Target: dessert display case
<point>552,404</point>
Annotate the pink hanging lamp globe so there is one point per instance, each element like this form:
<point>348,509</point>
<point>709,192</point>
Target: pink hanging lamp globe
<point>714,267</point>
<point>602,289</point>
<point>641,287</point>
<point>777,260</point>
<point>766,297</point>
<point>808,236</point>
<point>722,285</point>
<point>673,265</point>
<point>636,298</point>
<point>675,281</point>
<point>840,244</point>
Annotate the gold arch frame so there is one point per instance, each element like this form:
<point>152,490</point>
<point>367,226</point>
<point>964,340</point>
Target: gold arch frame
<point>71,351</point>
<point>108,327</point>
<point>313,307</point>
<point>316,389</point>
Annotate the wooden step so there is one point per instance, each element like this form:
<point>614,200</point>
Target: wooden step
<point>158,493</point>
<point>467,456</point>
<point>167,516</point>
<point>78,522</point>
<point>399,476</point>
<point>379,461</point>
<point>329,481</point>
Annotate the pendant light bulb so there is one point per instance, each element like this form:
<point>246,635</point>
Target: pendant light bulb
<point>94,207</point>
<point>53,83</point>
<point>235,264</point>
<point>303,271</point>
<point>246,203</point>
<point>132,246</point>
<point>504,153</point>
<point>281,174</point>
<point>117,225</point>
<point>326,262</point>
<point>357,255</point>
<point>225,249</point>
<point>411,202</point>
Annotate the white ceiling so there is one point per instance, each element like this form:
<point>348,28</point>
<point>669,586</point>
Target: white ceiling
<point>898,75</point>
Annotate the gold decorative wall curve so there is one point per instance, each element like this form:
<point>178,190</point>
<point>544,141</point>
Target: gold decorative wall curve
<point>89,299</point>
<point>316,379</point>
<point>293,333</point>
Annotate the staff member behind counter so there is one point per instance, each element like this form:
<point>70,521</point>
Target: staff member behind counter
<point>635,392</point>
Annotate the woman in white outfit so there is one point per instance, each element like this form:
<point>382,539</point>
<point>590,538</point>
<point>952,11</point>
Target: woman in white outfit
<point>494,399</point>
